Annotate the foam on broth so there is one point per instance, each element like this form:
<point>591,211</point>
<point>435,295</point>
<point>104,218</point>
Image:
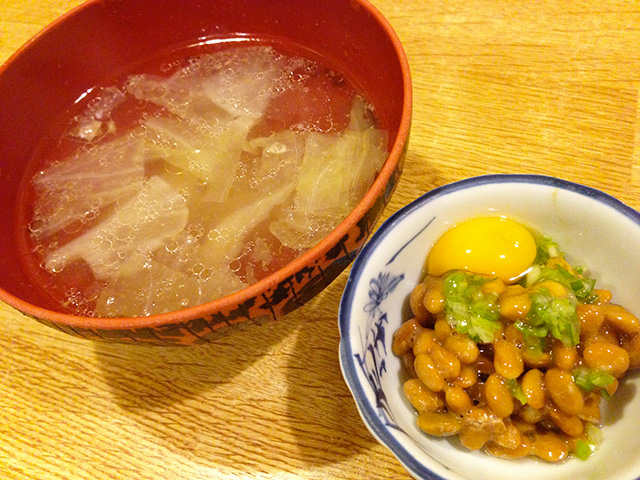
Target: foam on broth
<point>194,176</point>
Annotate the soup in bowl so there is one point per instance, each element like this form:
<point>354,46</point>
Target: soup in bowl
<point>191,170</point>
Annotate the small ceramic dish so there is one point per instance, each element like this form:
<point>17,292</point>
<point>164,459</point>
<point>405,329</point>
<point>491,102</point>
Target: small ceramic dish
<point>591,227</point>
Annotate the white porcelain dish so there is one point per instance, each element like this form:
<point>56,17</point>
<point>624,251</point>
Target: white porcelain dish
<point>591,227</point>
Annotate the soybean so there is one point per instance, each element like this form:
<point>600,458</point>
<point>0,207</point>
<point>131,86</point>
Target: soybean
<point>422,399</point>
<point>429,373</point>
<point>507,359</point>
<point>564,392</point>
<point>509,396</point>
<point>440,424</point>
<point>608,357</point>
<point>498,396</point>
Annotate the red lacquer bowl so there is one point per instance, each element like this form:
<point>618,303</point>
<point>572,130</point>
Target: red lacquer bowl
<point>48,74</point>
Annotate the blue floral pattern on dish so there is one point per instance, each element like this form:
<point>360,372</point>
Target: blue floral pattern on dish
<point>373,357</point>
<point>374,350</point>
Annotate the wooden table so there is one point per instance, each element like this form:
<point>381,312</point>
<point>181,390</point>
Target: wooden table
<point>500,86</point>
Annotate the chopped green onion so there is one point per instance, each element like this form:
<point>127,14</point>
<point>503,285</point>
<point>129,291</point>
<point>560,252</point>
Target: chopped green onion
<point>594,434</point>
<point>564,321</point>
<point>546,249</point>
<point>583,449</point>
<point>590,379</point>
<point>516,390</point>
<point>582,287</point>
<point>467,309</point>
<point>556,315</point>
<point>532,276</point>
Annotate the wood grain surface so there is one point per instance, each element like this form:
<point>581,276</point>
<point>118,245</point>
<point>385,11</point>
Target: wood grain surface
<point>500,86</point>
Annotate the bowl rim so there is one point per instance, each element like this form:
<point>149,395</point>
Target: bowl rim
<point>396,152</point>
<point>365,407</point>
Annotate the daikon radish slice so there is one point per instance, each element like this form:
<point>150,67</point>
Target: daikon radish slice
<point>300,231</point>
<point>125,239</point>
<point>276,158</point>
<point>154,289</point>
<point>226,241</point>
<point>181,94</point>
<point>85,183</point>
<point>159,288</point>
<point>337,168</point>
<point>210,152</point>
<point>246,81</point>
<point>367,164</point>
<point>336,171</point>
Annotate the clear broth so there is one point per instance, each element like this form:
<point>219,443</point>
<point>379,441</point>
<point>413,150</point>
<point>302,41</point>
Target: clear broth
<point>322,104</point>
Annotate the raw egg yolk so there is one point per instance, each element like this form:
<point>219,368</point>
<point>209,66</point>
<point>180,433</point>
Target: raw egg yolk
<point>488,246</point>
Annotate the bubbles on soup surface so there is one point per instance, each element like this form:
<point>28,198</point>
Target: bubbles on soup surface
<point>234,163</point>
